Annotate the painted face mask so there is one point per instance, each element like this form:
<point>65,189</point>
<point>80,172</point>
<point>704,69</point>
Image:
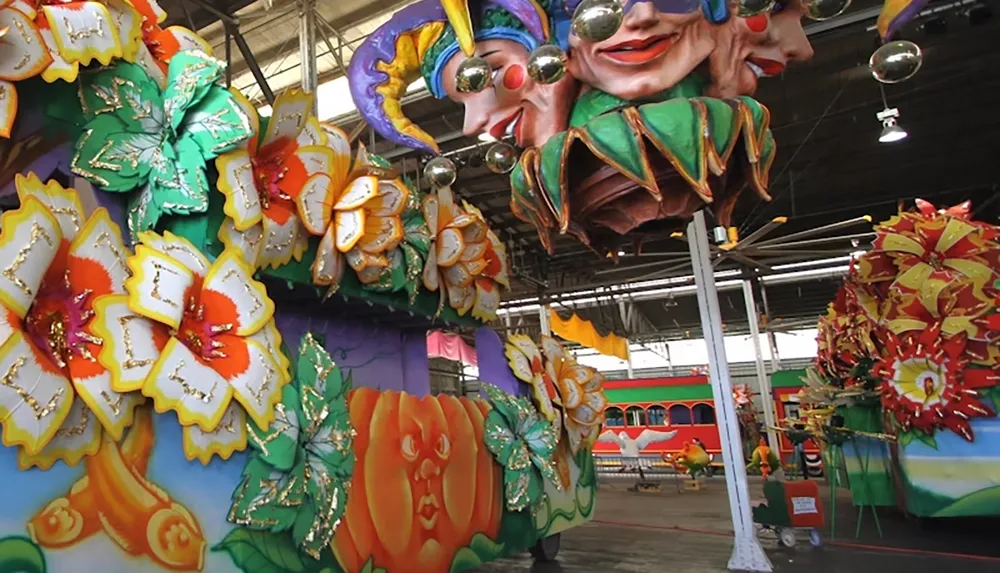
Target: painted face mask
<point>760,46</point>
<point>431,39</point>
<point>659,43</point>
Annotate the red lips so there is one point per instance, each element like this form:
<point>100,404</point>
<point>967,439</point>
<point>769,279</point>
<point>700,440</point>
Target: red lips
<point>769,67</point>
<point>499,129</point>
<point>640,51</point>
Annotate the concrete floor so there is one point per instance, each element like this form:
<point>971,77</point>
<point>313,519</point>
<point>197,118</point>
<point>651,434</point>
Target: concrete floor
<point>689,532</point>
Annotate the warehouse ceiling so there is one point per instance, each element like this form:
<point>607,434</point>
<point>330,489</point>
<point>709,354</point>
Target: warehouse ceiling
<point>830,169</point>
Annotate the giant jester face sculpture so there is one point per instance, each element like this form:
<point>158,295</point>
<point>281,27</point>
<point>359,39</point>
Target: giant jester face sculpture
<point>658,44</point>
<point>760,46</point>
<point>514,104</point>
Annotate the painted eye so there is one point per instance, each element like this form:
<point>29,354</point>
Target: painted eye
<point>443,447</point>
<point>409,447</point>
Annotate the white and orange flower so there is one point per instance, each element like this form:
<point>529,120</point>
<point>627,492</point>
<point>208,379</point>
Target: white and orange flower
<point>22,55</point>
<point>359,214</point>
<point>263,177</point>
<point>557,379</point>
<point>154,46</point>
<point>55,396</point>
<point>196,336</point>
<point>467,261</point>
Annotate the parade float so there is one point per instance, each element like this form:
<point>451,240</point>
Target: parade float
<point>906,385</point>
<point>186,382</point>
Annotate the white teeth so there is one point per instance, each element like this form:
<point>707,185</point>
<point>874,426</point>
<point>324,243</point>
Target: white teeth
<point>512,125</point>
<point>757,70</point>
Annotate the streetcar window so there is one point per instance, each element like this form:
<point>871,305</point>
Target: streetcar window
<point>657,416</point>
<point>703,414</point>
<point>635,416</point>
<point>792,410</point>
<point>614,417</point>
<point>680,415</point>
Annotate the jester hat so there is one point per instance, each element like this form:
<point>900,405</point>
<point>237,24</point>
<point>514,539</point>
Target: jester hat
<point>418,41</point>
<point>897,13</point>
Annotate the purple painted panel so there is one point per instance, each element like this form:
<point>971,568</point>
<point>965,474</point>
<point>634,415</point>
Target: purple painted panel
<point>377,356</point>
<point>493,363</point>
<point>31,149</point>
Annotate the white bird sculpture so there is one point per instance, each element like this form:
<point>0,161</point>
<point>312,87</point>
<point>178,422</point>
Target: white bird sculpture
<point>630,448</point>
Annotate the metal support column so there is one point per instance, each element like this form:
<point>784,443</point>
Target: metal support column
<point>543,319</point>
<point>747,554</point>
<point>763,382</point>
<point>627,323</point>
<point>772,340</point>
<point>307,45</point>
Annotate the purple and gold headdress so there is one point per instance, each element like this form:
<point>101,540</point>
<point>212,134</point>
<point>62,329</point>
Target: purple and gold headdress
<point>420,39</point>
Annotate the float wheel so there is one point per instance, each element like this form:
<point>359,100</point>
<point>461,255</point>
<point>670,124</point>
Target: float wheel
<point>786,538</point>
<point>546,549</point>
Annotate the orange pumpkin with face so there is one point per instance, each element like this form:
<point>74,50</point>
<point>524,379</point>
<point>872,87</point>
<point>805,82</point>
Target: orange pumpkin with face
<point>424,482</point>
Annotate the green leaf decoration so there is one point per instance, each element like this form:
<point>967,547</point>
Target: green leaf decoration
<point>723,121</point>
<point>481,549</point>
<point>406,262</point>
<point>300,468</point>
<point>155,144</point>
<point>20,555</point>
<point>523,443</point>
<point>926,439</point>
<point>262,552</point>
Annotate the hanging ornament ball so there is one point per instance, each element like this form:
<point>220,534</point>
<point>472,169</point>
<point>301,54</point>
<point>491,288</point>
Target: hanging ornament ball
<point>547,64</point>
<point>440,172</point>
<point>825,9</point>
<point>473,75</point>
<point>748,8</point>
<point>896,61</point>
<point>597,20</point>
<point>501,157</point>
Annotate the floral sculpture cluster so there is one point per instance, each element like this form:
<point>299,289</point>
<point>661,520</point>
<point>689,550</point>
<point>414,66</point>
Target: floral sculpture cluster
<point>916,322</point>
<point>524,444</point>
<point>300,472</point>
<point>568,394</point>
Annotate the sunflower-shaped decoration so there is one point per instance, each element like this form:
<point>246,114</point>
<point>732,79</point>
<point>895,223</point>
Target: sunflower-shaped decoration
<point>196,336</point>
<point>406,261</point>
<point>359,216</point>
<point>158,45</point>
<point>22,55</point>
<point>263,177</point>
<point>78,33</point>
<point>300,471</point>
<point>523,443</point>
<point>55,396</point>
<point>847,335</point>
<point>924,383</point>
<point>467,262</point>
<point>938,266</point>
<point>155,142</point>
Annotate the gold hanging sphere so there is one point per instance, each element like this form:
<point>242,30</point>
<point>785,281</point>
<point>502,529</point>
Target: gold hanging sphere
<point>748,8</point>
<point>825,9</point>
<point>597,20</point>
<point>547,64</point>
<point>896,61</point>
<point>501,157</point>
<point>473,75</point>
<point>440,172</point>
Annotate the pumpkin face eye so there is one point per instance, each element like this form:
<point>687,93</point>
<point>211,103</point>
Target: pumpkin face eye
<point>443,447</point>
<point>409,447</point>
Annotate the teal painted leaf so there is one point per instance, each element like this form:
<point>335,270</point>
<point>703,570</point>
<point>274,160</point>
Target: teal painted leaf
<point>926,439</point>
<point>592,104</point>
<point>113,157</point>
<point>263,552</point>
<point>256,499</point>
<point>20,555</point>
<point>676,125</point>
<point>278,445</point>
<point>190,76</point>
<point>371,568</point>
<point>216,124</point>
<point>612,137</point>
<point>127,93</point>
